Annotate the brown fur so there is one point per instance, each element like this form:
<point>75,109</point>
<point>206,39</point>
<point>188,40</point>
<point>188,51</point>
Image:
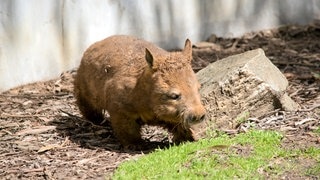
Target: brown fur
<point>138,83</point>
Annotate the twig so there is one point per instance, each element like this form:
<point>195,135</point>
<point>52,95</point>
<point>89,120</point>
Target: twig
<point>304,121</point>
<point>69,114</point>
<point>293,63</point>
<point>288,128</point>
<point>230,131</point>
<point>26,170</point>
<point>5,115</point>
<point>310,109</point>
<point>274,119</point>
<point>6,131</point>
<point>110,167</point>
<point>9,154</point>
<point>36,130</point>
<point>35,95</point>
<point>268,114</point>
<point>295,93</point>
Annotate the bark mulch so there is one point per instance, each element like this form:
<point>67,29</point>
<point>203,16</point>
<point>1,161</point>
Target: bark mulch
<point>43,136</point>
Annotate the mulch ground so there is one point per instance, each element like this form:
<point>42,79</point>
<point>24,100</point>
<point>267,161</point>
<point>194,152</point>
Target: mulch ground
<point>43,136</point>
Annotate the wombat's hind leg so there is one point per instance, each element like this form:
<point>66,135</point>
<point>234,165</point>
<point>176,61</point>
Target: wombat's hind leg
<point>90,112</point>
<point>126,130</point>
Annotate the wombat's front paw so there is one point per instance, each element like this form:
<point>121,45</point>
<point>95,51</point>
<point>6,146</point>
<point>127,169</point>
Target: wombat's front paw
<point>198,131</point>
<point>181,135</point>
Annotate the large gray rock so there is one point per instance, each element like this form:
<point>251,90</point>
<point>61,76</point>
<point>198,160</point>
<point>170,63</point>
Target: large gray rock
<point>242,86</point>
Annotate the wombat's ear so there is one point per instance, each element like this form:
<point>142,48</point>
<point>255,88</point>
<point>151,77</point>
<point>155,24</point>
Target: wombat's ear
<point>188,49</point>
<point>149,58</point>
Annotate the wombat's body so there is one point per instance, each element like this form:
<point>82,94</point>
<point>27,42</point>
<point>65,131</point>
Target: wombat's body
<point>138,83</point>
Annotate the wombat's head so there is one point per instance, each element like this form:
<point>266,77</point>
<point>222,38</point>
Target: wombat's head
<point>175,94</point>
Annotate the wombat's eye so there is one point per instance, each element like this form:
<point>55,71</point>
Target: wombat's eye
<point>174,96</point>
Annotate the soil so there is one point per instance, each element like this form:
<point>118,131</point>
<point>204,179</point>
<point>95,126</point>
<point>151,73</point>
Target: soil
<point>43,136</point>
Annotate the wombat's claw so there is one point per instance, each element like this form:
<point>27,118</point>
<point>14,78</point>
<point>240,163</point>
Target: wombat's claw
<point>104,121</point>
<point>194,135</point>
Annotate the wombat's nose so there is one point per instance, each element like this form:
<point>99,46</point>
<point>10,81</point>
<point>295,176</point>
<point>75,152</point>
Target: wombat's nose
<point>192,119</point>
<point>202,117</point>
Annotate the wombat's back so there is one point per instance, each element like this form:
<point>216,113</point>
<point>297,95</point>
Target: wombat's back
<point>119,52</point>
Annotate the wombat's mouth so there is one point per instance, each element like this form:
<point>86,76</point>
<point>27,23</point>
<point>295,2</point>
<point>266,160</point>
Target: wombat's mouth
<point>183,117</point>
<point>190,120</point>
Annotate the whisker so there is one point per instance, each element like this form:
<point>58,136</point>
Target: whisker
<point>182,116</point>
<point>176,126</point>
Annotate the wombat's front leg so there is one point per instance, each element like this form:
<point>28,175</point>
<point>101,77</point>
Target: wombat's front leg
<point>180,134</point>
<point>127,130</point>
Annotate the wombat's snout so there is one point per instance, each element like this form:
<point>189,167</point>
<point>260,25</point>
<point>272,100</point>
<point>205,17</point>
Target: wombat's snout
<point>193,119</point>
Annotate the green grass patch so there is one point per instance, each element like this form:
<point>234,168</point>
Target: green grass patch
<point>314,170</point>
<point>317,130</point>
<point>253,155</point>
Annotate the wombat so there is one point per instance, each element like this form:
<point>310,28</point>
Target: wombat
<point>139,83</point>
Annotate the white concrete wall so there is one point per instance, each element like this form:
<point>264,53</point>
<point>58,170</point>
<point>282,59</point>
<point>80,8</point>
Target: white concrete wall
<point>41,38</point>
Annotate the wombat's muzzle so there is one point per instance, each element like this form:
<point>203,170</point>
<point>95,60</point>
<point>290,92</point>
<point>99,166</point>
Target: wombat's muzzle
<point>193,119</point>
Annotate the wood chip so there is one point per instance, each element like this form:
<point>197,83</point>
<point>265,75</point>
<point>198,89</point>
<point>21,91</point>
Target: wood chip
<point>36,130</point>
<point>47,148</point>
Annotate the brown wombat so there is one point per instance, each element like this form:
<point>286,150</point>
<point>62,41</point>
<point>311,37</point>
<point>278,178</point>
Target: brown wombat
<point>139,83</point>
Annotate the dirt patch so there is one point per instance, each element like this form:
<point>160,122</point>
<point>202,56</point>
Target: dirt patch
<point>43,136</point>
<point>297,168</point>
